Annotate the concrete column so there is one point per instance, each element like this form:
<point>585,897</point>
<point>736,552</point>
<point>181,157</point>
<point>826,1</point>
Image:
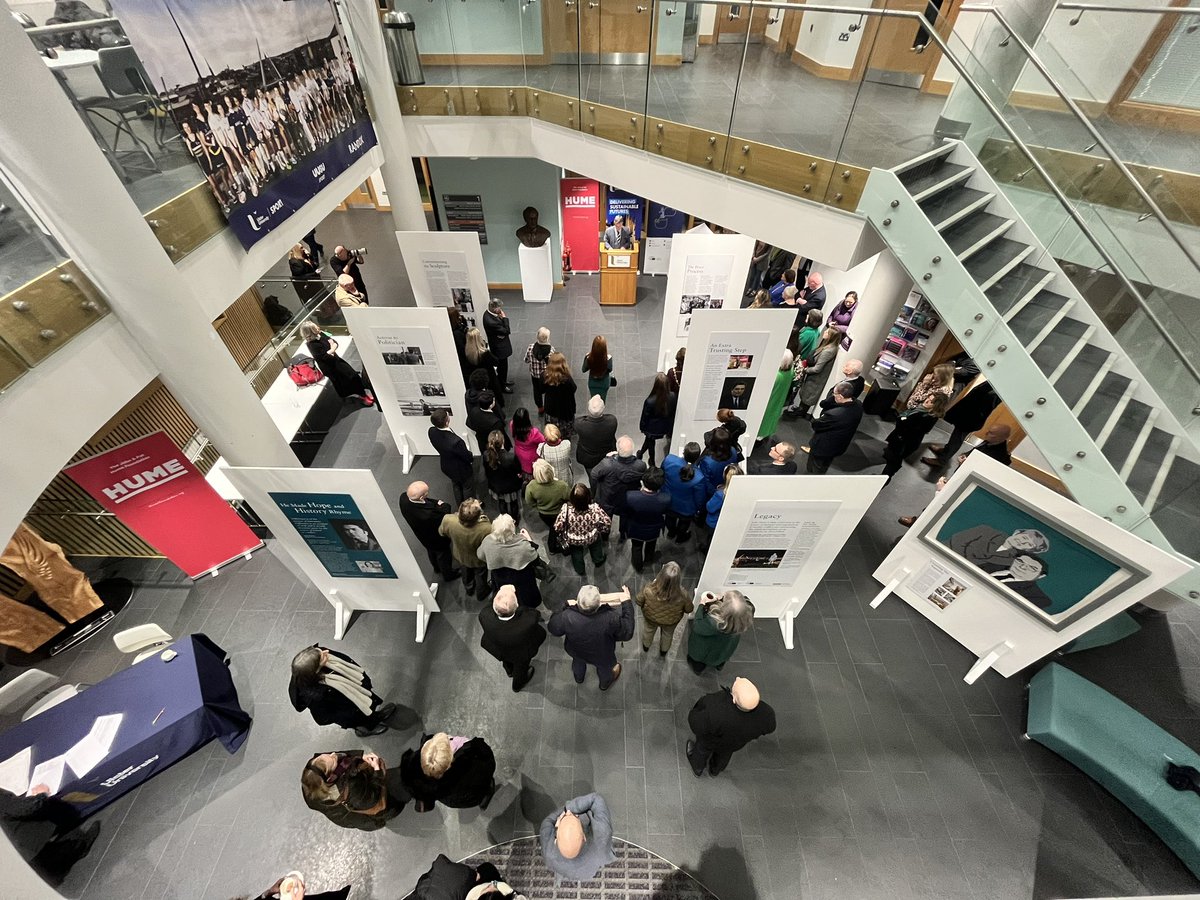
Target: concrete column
<point>360,18</point>
<point>57,166</point>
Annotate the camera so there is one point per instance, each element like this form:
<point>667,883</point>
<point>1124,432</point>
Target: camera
<point>360,252</point>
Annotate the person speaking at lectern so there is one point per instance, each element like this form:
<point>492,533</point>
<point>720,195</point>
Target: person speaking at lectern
<point>618,235</point>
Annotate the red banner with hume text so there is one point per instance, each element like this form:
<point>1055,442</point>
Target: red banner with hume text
<point>581,218</point>
<point>155,490</point>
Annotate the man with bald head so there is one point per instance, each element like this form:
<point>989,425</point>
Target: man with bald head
<point>512,633</point>
<point>724,722</point>
<point>424,516</point>
<point>577,839</point>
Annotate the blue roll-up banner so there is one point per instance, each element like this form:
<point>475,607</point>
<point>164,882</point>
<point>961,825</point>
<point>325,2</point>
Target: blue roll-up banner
<point>665,221</point>
<point>622,203</point>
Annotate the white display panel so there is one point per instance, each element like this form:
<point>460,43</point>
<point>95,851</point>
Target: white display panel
<point>778,534</point>
<point>395,585</point>
<point>725,349</point>
<point>1013,571</point>
<point>446,269</point>
<point>410,356</point>
<point>710,271</point>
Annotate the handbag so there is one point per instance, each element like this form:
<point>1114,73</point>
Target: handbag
<point>304,372</point>
<point>612,380</point>
<point>542,571</point>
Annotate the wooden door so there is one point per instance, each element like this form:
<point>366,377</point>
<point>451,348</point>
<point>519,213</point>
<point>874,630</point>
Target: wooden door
<point>625,31</point>
<point>790,32</point>
<point>733,20</point>
<point>899,51</point>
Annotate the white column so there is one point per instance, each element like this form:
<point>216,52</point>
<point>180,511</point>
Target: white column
<point>55,163</point>
<point>361,21</point>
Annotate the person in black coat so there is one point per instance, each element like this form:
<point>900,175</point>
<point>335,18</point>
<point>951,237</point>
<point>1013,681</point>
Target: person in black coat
<point>724,722</point>
<point>345,380</point>
<point>479,384</point>
<point>592,628</point>
<point>733,424</point>
<point>968,413</point>
<point>424,516</point>
<point>513,634</point>
<point>353,789</point>
<point>453,454</point>
<point>336,690</point>
<point>834,430</point>
<point>346,262</point>
<point>42,828</point>
<point>498,328</point>
<point>291,886</point>
<point>484,418</point>
<point>447,880</point>
<point>458,330</point>
<point>615,476</point>
<point>595,435</point>
<point>456,772</point>
<point>658,415</point>
<point>851,375</point>
<point>645,515</point>
<point>911,427</point>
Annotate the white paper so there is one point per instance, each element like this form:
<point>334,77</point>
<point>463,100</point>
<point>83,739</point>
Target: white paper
<point>50,773</point>
<point>778,540</point>
<point>94,746</point>
<point>449,280</point>
<point>14,772</point>
<point>937,584</point>
<point>733,360</point>
<point>705,286</point>
<point>412,369</point>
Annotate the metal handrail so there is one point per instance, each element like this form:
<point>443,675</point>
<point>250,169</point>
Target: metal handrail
<point>63,27</point>
<point>1096,136</point>
<point>1103,7</point>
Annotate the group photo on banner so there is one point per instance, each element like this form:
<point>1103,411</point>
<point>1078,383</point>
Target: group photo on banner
<point>265,95</point>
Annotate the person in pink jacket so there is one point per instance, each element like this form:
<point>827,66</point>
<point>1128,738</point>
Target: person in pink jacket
<point>526,438</point>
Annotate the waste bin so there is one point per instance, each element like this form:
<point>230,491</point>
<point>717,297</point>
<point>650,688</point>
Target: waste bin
<point>400,36</point>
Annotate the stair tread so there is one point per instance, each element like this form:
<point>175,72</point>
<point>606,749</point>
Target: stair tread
<point>1100,407</point>
<point>1027,323</point>
<point>995,257</point>
<point>1126,433</point>
<point>963,235</point>
<point>1150,462</point>
<point>1058,343</point>
<point>1079,376</point>
<point>946,205</point>
<point>1016,284</point>
<point>1177,509</point>
<point>925,177</point>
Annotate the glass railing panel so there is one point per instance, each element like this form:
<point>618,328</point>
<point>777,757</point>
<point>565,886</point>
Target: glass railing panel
<point>615,55</point>
<point>552,57</point>
<point>489,40</point>
<point>27,250</point>
<point>694,75</point>
<point>435,39</point>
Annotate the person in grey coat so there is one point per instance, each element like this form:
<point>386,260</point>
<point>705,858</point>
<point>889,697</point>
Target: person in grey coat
<point>577,839</point>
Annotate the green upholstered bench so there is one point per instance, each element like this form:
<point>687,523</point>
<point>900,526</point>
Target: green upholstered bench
<point>1120,748</point>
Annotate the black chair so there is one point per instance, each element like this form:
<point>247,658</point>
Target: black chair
<point>128,99</point>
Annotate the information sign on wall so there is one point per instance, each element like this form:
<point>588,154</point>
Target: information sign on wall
<point>580,215</point>
<point>464,212</point>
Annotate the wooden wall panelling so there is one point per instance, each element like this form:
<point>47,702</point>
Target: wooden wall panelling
<point>557,109</point>
<point>11,366</point>
<point>244,329</point>
<point>493,101</point>
<point>846,185</point>
<point>773,167</point>
<point>614,124</point>
<point>684,143</point>
<point>431,100</point>
<point>45,314</point>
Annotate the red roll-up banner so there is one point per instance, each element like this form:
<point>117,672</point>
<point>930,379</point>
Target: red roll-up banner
<point>581,217</point>
<point>155,490</point>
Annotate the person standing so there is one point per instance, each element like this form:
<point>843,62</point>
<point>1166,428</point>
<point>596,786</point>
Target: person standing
<point>557,451</point>
<point>814,375</point>
<point>598,366</point>
<point>811,296</point>
<point>582,526</point>
<point>646,511</point>
<point>526,439</point>
<point>510,558</point>
<point>345,380</point>
<point>938,381</point>
<point>453,455</point>
<point>688,490</point>
<point>537,357</point>
<point>447,880</point>
<point>479,356</point>
<point>499,329</point>
<point>591,627</point>
<point>780,461</point>
<point>618,236</point>
<point>842,314</point>
<point>559,393</point>
<point>547,493</point>
<point>458,772</point>
<point>719,454</point>
<point>675,373</point>
<point>616,475</point>
<point>994,445</point>
<point>778,398</point>
<point>512,634</point>
<point>911,427</point>
<point>969,412</point>
<point>786,279</point>
<point>293,887</point>
<point>458,330</point>
<point>807,339</point>
<point>306,274</point>
<point>424,516</point>
<point>353,789</point>
<point>724,722</point>
<point>595,436</point>
<point>483,418</point>
<point>337,691</point>
<point>834,430</point>
<point>466,530</point>
<point>717,629</point>
<point>577,840</point>
<point>503,474</point>
<point>715,504</point>
<point>658,415</point>
<point>347,262</point>
<point>664,603</point>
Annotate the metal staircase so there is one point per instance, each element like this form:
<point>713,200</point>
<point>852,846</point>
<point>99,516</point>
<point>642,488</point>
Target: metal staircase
<point>1089,410</point>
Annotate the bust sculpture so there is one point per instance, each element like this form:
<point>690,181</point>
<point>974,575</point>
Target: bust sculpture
<point>531,234</point>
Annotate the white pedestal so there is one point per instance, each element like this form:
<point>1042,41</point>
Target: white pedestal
<point>537,273</point>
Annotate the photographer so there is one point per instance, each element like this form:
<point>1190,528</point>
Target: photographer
<point>347,262</point>
<point>592,625</point>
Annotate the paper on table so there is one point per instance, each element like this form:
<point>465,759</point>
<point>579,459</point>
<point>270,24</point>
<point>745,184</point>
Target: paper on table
<point>14,772</point>
<point>93,747</point>
<point>50,773</point>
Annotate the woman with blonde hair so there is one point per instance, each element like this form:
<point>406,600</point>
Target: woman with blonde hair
<point>556,450</point>
<point>559,393</point>
<point>762,300</point>
<point>717,628</point>
<point>715,504</point>
<point>479,356</point>
<point>664,602</point>
<point>938,381</point>
<point>345,380</point>
<point>457,772</point>
<point>306,274</point>
<point>547,493</point>
<point>598,365</point>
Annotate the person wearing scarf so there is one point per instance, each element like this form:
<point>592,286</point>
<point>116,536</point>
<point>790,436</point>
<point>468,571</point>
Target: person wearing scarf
<point>353,789</point>
<point>336,690</point>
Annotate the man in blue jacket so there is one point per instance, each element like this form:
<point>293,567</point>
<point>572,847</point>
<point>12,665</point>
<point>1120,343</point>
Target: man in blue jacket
<point>646,514</point>
<point>592,625</point>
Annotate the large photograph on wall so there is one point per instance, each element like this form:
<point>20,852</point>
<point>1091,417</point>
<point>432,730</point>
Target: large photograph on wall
<point>265,95</point>
<point>1051,573</point>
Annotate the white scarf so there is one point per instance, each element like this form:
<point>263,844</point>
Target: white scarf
<point>347,679</point>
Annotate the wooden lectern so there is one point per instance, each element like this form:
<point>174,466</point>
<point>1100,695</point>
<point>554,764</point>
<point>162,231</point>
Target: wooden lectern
<point>618,276</point>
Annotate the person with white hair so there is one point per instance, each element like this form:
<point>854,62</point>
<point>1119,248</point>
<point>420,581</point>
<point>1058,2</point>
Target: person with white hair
<point>592,625</point>
<point>424,515</point>
<point>615,476</point>
<point>718,627</point>
<point>510,556</point>
<point>537,357</point>
<point>724,722</point>
<point>346,293</point>
<point>595,435</point>
<point>512,634</point>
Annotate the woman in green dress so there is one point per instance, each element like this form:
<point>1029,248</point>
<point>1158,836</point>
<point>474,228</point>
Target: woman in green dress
<point>717,629</point>
<point>779,396</point>
<point>598,366</point>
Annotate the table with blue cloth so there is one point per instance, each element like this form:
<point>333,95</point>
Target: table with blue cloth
<point>168,711</point>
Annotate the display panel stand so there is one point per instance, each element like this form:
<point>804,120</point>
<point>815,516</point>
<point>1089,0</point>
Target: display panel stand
<point>537,273</point>
<point>787,621</point>
<point>445,268</point>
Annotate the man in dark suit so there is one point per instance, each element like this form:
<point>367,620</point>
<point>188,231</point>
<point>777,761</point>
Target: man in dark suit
<point>1020,576</point>
<point>592,626</point>
<point>851,375</point>
<point>968,412</point>
<point>645,515</point>
<point>834,430</point>
<point>724,722</point>
<point>811,296</point>
<point>737,397</point>
<point>512,633</point>
<point>614,477</point>
<point>498,328</point>
<point>453,454</point>
<point>618,236</point>
<point>424,516</point>
<point>483,419</point>
<point>595,436</point>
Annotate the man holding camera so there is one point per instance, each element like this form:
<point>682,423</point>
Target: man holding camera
<point>592,624</point>
<point>347,262</point>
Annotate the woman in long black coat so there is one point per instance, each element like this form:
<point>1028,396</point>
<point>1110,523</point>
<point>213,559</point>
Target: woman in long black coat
<point>336,690</point>
<point>353,789</point>
<point>455,772</point>
<point>345,380</point>
<point>911,427</point>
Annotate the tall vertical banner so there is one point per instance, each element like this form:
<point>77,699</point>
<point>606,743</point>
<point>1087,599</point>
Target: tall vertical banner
<point>339,529</point>
<point>265,96</point>
<point>623,203</point>
<point>446,269</point>
<point>151,487</point>
<point>662,223</point>
<point>581,222</point>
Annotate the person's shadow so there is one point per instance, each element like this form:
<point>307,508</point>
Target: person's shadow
<point>530,805</point>
<point>722,873</point>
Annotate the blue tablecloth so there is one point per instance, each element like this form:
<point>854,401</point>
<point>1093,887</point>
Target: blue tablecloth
<point>197,700</point>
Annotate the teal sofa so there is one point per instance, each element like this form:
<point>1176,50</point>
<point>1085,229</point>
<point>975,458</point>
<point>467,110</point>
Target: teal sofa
<point>1121,749</point>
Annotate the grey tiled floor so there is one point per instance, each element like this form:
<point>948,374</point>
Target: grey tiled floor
<point>887,778</point>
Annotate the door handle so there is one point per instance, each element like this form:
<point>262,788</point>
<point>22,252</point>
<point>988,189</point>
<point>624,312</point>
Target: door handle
<point>640,9</point>
<point>569,3</point>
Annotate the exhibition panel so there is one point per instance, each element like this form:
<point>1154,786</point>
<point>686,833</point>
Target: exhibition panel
<point>445,268</point>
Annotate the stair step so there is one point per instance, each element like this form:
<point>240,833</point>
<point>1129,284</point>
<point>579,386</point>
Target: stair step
<point>996,260</point>
<point>1060,343</point>
<point>929,156</point>
<point>974,232</point>
<point>1038,315</point>
<point>1109,396</point>
<point>1177,508</point>
<point>1130,432</point>
<point>954,205</point>
<point>1151,465</point>
<point>1017,286</point>
<point>1088,366</point>
<point>926,181</point>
